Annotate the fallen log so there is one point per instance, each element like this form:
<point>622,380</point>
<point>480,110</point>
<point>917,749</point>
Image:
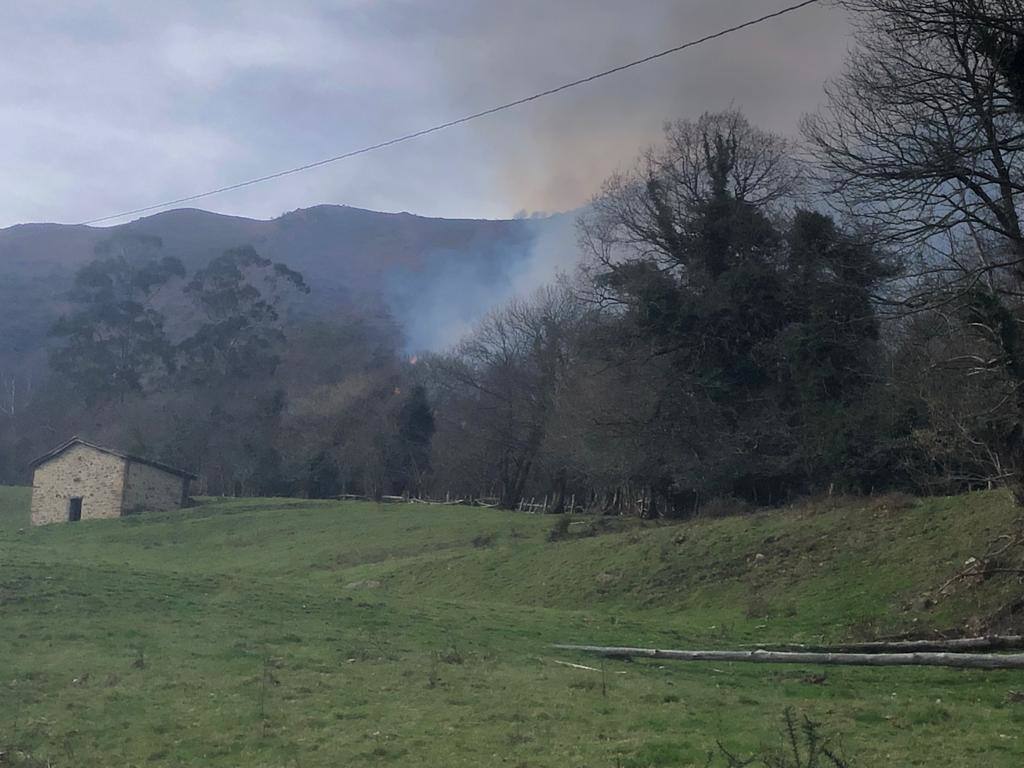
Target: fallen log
<point>960,660</point>
<point>957,645</point>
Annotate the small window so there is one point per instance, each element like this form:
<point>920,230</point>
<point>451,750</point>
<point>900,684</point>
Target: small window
<point>75,510</point>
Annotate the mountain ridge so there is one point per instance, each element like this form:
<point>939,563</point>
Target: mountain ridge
<point>436,276</point>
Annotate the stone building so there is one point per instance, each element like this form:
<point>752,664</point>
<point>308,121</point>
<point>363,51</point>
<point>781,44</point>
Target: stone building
<point>82,481</point>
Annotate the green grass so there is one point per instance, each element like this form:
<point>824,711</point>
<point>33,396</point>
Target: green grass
<point>295,633</point>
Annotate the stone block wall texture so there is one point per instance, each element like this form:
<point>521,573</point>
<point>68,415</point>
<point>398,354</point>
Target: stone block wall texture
<point>95,477</point>
<point>149,489</point>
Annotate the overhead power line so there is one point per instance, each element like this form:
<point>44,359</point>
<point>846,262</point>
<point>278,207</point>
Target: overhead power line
<point>459,121</point>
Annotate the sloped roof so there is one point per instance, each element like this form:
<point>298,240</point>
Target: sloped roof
<point>111,451</point>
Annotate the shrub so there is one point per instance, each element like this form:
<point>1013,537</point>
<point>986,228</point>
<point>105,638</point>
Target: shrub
<point>602,524</point>
<point>803,746</point>
<point>757,606</point>
<point>896,501</point>
<point>560,530</point>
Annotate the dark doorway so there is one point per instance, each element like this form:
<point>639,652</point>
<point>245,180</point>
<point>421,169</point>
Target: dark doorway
<point>75,510</point>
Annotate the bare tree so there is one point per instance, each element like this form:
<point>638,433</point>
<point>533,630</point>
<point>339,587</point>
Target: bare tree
<point>651,212</point>
<point>15,392</point>
<point>960,417</point>
<point>504,379</point>
<point>921,133</point>
<point>922,137</point>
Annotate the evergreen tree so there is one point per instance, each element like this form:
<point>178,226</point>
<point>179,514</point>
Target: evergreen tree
<point>241,337</point>
<point>762,320</point>
<point>114,339</point>
<point>415,433</point>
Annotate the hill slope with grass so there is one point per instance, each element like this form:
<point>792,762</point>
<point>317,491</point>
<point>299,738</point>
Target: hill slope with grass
<point>289,632</point>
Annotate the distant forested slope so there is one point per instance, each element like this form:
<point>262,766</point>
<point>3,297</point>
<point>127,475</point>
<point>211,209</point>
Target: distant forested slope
<point>436,276</point>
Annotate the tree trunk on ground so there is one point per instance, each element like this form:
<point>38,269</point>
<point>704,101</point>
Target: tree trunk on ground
<point>958,645</point>
<point>961,660</point>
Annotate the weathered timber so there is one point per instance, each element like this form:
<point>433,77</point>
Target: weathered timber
<point>576,666</point>
<point>962,660</point>
<point>956,645</point>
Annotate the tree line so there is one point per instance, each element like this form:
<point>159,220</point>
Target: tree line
<point>754,318</point>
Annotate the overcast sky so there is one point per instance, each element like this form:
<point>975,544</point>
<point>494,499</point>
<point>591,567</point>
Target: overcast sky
<point>115,105</point>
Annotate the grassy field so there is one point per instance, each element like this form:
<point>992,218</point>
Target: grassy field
<point>296,633</point>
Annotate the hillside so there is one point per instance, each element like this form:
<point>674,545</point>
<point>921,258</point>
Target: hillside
<point>288,632</point>
<point>442,273</point>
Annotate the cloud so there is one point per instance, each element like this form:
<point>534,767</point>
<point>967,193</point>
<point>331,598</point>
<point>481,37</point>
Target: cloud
<point>114,105</point>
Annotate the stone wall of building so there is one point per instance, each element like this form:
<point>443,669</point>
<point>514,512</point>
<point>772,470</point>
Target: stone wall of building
<point>149,489</point>
<point>95,477</point>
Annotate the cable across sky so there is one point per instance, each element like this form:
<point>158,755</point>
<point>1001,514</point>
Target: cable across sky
<point>459,121</point>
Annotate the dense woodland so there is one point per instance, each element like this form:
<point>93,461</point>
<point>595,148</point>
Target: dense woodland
<point>754,318</point>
